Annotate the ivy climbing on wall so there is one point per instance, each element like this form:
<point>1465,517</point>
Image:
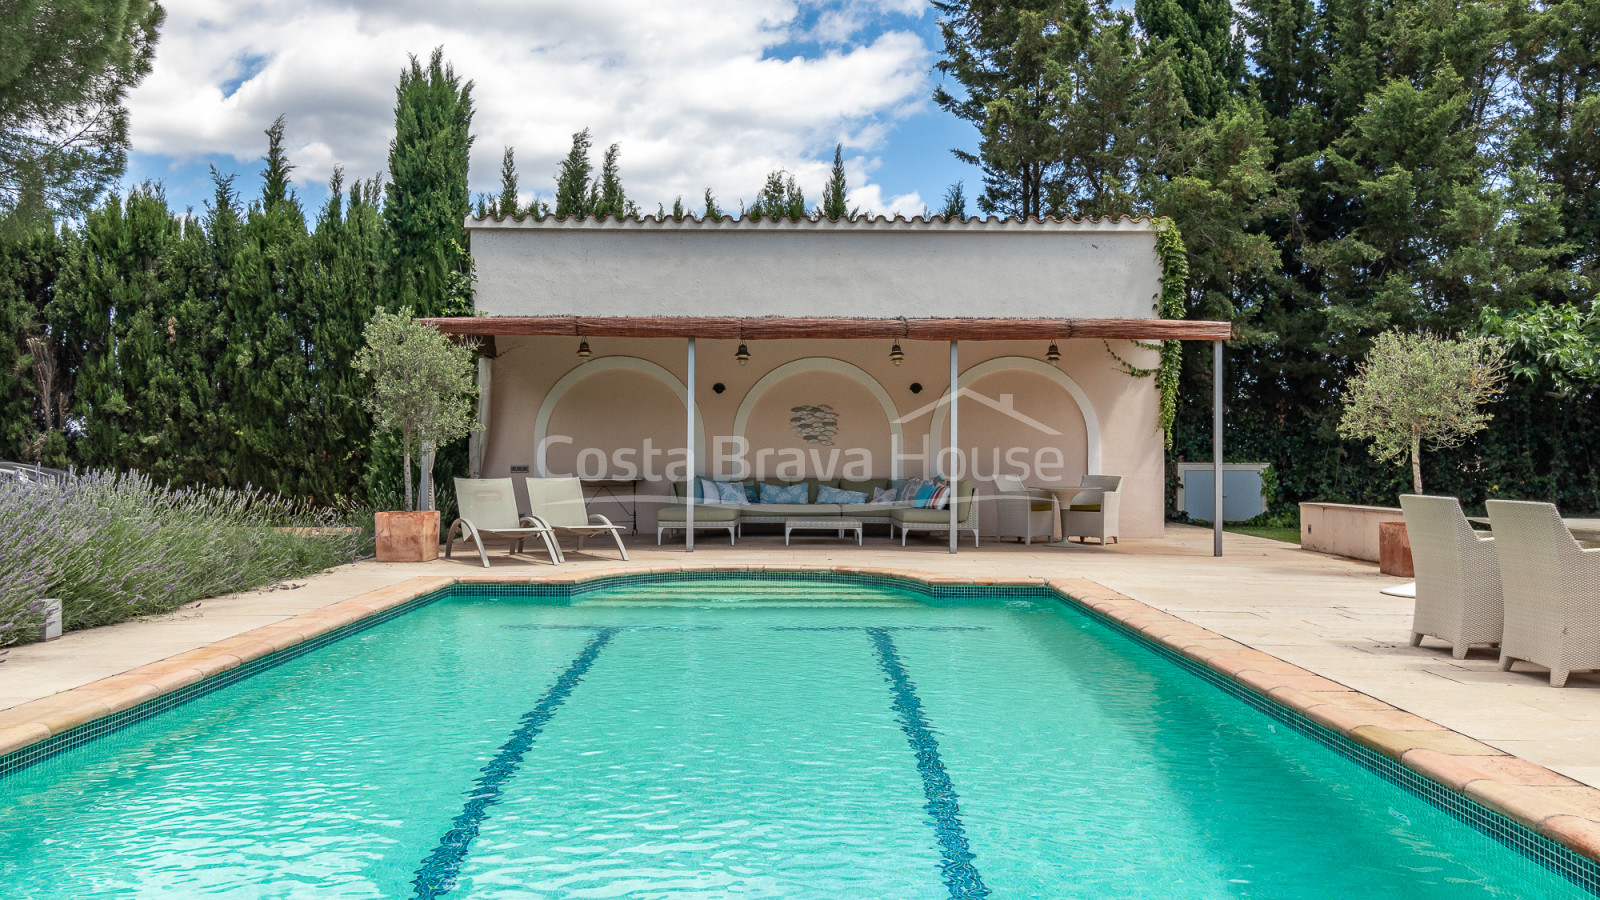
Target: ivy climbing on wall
<point>1169,305</point>
<point>1174,280</point>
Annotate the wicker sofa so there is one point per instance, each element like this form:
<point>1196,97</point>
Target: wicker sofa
<point>719,516</point>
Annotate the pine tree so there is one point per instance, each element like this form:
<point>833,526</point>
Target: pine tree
<point>426,198</point>
<point>573,195</point>
<point>65,67</point>
<point>1009,58</point>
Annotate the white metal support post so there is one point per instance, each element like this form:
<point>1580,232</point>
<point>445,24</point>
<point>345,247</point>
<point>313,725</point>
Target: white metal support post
<point>955,446</point>
<point>688,472</point>
<point>1216,448</point>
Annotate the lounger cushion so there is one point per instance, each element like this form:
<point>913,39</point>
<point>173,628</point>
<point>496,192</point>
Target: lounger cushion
<point>1085,507</point>
<point>701,514</point>
<point>1042,506</point>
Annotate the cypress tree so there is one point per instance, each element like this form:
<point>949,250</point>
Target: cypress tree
<point>573,196</point>
<point>955,203</point>
<point>343,279</point>
<point>1204,47</point>
<point>34,402</point>
<point>1554,134</point>
<point>611,200</point>
<point>265,362</point>
<point>506,205</point>
<point>112,302</point>
<point>780,198</point>
<point>713,211</point>
<point>834,206</point>
<point>426,200</point>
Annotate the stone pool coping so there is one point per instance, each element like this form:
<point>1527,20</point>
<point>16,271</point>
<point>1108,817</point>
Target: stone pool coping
<point>1561,809</point>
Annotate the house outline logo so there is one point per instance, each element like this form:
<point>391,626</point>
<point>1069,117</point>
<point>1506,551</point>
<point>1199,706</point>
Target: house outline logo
<point>1006,406</point>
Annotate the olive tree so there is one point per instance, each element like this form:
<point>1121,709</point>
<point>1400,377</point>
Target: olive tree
<point>423,385</point>
<point>1422,387</point>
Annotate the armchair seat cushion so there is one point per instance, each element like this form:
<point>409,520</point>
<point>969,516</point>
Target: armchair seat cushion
<point>702,513</point>
<point>922,516</point>
<point>762,510</point>
<point>870,510</point>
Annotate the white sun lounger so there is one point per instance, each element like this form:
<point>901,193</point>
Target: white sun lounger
<point>559,503</point>
<point>488,508</point>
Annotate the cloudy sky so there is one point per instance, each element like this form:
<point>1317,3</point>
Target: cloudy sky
<point>699,93</point>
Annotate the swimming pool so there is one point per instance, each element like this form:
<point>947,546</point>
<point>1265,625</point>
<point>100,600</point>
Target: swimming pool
<point>732,737</point>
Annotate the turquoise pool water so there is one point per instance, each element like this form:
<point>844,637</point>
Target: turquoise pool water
<point>732,738</point>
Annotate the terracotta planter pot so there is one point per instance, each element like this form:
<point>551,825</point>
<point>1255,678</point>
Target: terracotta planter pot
<point>407,536</point>
<point>1394,550</point>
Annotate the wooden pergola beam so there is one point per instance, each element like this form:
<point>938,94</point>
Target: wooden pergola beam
<point>772,328</point>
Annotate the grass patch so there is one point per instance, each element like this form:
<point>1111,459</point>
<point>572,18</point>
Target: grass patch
<point>1285,533</point>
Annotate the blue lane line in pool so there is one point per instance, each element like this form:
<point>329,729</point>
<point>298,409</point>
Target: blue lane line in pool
<point>884,628</point>
<point>960,874</point>
<point>440,870</point>
<point>613,628</point>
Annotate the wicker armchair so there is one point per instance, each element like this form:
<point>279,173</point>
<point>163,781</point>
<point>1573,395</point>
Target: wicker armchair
<point>1552,591</point>
<point>1022,511</point>
<point>1458,576</point>
<point>1093,510</point>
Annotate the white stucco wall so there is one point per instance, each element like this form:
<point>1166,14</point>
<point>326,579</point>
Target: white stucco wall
<point>608,405</point>
<point>869,268</point>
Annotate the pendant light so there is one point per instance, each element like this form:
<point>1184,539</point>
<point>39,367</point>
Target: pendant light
<point>743,356</point>
<point>584,352</point>
<point>1053,355</point>
<point>896,356</point>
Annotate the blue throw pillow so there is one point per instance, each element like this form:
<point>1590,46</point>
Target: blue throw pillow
<point>752,492</point>
<point>826,494</point>
<point>925,493</point>
<point>774,493</point>
<point>731,493</point>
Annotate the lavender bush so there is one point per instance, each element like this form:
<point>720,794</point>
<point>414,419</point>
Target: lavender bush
<point>114,547</point>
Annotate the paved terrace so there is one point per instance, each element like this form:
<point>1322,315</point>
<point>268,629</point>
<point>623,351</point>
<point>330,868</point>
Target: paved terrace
<point>1321,613</point>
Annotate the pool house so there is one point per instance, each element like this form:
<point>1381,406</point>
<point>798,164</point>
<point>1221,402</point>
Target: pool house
<point>821,350</point>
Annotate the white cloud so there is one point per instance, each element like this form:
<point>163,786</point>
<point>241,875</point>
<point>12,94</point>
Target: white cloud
<point>685,87</point>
